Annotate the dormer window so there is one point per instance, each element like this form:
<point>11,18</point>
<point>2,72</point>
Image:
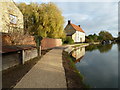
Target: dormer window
<point>13,19</point>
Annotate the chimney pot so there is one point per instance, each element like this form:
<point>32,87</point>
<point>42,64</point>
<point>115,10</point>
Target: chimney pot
<point>69,21</point>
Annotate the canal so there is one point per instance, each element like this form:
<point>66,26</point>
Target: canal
<point>98,64</point>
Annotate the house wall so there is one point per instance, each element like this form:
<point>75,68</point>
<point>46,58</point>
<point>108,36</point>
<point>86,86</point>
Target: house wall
<point>7,8</point>
<point>74,37</point>
<point>78,36</point>
<point>69,30</point>
<point>47,43</point>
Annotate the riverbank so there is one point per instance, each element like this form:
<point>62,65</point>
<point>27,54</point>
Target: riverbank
<point>71,47</point>
<point>73,77</point>
<point>14,75</point>
<point>80,44</point>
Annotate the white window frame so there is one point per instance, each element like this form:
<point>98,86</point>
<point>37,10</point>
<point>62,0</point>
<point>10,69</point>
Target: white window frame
<point>13,19</point>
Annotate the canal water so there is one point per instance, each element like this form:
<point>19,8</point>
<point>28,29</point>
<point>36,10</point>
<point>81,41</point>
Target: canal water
<point>98,64</point>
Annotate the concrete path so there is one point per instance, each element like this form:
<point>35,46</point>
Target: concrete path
<point>47,73</point>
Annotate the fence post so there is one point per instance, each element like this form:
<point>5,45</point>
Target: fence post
<point>40,51</point>
<point>23,56</point>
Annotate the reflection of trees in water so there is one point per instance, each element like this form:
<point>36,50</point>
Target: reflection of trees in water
<point>104,48</point>
<point>79,53</point>
<point>91,48</point>
<point>100,47</point>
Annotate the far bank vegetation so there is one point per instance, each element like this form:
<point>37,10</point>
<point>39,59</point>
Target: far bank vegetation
<point>103,35</point>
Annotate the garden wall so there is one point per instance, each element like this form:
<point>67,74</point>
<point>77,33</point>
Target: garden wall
<point>30,54</point>
<point>26,40</point>
<point>47,43</point>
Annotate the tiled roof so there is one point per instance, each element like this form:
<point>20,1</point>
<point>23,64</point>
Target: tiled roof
<point>77,28</point>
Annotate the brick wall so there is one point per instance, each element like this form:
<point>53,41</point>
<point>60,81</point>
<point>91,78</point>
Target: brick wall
<point>6,40</point>
<point>27,40</point>
<point>47,43</point>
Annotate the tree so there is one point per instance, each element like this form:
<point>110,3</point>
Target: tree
<point>92,38</point>
<point>106,35</point>
<point>44,20</point>
<point>27,12</point>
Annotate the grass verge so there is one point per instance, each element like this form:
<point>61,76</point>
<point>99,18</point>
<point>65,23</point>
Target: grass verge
<point>73,77</point>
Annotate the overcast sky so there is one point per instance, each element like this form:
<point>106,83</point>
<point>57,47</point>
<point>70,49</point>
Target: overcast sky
<point>92,16</point>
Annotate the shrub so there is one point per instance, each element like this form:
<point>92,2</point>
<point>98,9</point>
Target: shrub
<point>68,40</point>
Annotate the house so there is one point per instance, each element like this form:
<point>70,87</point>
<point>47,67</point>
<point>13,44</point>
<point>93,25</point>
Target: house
<point>75,32</point>
<point>11,18</point>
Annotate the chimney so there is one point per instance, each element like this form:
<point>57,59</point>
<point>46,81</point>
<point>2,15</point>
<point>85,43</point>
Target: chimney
<point>79,25</point>
<point>69,21</point>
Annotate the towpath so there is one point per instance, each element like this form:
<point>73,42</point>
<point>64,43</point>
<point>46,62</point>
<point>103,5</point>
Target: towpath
<point>47,73</point>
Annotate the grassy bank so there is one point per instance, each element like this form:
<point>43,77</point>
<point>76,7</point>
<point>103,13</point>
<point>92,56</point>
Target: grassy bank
<point>73,77</point>
<point>80,45</point>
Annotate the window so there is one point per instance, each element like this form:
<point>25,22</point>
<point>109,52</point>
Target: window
<point>13,19</point>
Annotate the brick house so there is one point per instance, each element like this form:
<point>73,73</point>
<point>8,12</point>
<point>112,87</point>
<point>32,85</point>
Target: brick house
<point>11,17</point>
<point>75,32</point>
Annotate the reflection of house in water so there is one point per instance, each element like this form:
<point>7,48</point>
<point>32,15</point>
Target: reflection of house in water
<point>78,54</point>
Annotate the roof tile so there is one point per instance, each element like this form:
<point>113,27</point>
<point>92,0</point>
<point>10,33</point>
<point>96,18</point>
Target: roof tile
<point>77,28</point>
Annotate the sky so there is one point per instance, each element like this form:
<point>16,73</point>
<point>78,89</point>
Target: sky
<point>93,16</point>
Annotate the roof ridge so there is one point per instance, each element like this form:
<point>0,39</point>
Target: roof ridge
<point>77,28</point>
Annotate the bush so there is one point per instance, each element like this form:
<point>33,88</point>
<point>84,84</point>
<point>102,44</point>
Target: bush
<point>68,40</point>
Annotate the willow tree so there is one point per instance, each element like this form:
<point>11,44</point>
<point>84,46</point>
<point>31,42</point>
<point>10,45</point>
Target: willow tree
<point>27,11</point>
<point>43,20</point>
<point>48,21</point>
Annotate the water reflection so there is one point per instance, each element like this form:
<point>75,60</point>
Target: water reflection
<point>119,63</point>
<point>100,47</point>
<point>99,65</point>
<point>78,54</point>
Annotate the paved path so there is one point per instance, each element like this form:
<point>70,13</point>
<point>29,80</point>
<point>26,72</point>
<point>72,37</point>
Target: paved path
<point>47,73</point>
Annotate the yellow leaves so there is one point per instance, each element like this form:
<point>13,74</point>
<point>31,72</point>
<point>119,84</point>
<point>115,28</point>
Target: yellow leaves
<point>47,19</point>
